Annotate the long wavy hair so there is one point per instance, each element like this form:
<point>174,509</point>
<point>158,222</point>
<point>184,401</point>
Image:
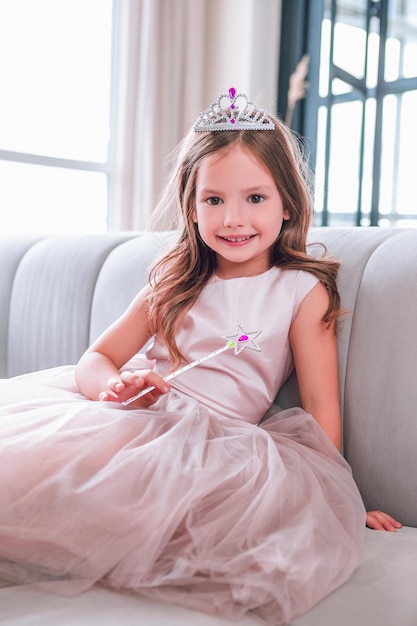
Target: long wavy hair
<point>179,276</point>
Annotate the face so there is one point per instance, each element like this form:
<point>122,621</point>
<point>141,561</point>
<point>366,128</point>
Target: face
<point>238,210</point>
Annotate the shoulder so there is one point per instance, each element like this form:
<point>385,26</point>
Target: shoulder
<point>297,277</point>
<point>305,281</point>
<point>312,307</point>
<point>139,304</point>
<point>298,283</point>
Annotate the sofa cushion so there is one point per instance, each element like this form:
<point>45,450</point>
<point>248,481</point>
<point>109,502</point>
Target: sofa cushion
<point>380,593</point>
<point>50,300</point>
<point>12,251</point>
<point>380,410</point>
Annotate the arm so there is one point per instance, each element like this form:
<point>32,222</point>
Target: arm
<point>315,358</point>
<point>98,372</point>
<point>313,344</point>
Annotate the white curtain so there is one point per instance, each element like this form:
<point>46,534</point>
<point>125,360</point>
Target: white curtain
<point>173,58</point>
<point>159,70</point>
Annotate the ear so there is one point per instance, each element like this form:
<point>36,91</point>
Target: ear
<point>285,215</point>
<point>194,216</point>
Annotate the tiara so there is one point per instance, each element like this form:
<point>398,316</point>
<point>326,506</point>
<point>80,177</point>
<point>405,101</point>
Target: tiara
<point>233,111</point>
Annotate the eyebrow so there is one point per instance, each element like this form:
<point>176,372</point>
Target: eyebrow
<point>259,188</point>
<point>249,190</point>
<point>205,191</point>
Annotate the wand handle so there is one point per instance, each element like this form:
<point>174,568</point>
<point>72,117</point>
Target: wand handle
<point>229,344</point>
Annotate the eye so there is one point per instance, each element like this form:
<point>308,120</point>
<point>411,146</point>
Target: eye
<point>214,201</point>
<point>256,198</point>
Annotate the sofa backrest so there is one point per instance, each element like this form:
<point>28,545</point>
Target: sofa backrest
<point>57,294</point>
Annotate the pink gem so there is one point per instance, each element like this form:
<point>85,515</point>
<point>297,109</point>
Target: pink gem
<point>232,92</point>
<point>232,121</point>
<point>243,338</point>
<point>232,106</point>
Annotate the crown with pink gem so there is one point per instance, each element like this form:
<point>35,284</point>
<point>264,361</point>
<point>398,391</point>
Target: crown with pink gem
<point>233,111</point>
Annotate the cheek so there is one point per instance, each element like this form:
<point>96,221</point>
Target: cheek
<point>278,219</point>
<point>204,218</point>
<point>205,226</point>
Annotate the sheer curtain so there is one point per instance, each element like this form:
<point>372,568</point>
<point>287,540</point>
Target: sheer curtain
<point>174,57</point>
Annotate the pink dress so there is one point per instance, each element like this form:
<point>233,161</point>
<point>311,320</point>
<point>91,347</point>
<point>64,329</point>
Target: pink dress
<point>188,501</point>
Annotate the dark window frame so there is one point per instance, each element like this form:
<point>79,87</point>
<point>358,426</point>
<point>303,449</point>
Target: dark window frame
<point>301,22</point>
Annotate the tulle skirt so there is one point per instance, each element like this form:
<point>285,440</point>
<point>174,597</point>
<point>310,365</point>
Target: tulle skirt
<point>171,502</point>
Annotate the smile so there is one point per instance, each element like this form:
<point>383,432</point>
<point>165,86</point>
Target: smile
<point>237,239</point>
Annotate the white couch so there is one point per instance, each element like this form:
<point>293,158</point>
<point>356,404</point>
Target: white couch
<point>58,294</point>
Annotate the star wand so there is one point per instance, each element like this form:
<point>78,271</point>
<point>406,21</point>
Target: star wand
<point>238,340</point>
<point>227,346</point>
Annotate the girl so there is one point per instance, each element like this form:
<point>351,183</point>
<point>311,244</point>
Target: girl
<point>186,492</point>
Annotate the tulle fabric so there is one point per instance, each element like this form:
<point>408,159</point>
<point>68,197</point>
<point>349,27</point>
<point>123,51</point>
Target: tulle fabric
<point>174,503</point>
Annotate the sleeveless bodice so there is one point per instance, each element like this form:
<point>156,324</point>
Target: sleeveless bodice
<point>245,384</point>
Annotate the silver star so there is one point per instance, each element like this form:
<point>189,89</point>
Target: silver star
<point>244,339</point>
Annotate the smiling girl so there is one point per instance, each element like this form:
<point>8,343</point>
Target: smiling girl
<point>199,491</point>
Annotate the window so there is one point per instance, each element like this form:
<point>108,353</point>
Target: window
<point>55,111</point>
<point>359,113</point>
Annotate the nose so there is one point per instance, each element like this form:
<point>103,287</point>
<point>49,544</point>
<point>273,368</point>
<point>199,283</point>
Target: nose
<point>234,215</point>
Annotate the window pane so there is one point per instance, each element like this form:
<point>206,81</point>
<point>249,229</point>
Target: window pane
<point>350,45</point>
<point>324,58</point>
<point>397,190</point>
<point>368,161</point>
<point>406,199</point>
<point>56,73</point>
<point>346,125</point>
<point>350,37</point>
<point>389,156</point>
<point>48,200</point>
<point>319,178</point>
<point>339,87</point>
<point>401,45</point>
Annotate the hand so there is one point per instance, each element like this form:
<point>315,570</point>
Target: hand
<point>130,383</point>
<point>377,520</point>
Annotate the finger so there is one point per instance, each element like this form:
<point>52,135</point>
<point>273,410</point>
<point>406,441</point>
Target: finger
<point>129,378</point>
<point>152,384</point>
<point>106,396</point>
<point>389,523</point>
<point>392,521</point>
<point>153,395</point>
<point>377,520</point>
<point>115,384</point>
<point>147,399</point>
<point>153,379</point>
<point>372,522</point>
<point>135,379</point>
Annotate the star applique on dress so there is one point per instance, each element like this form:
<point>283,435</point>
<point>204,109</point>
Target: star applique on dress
<point>243,339</point>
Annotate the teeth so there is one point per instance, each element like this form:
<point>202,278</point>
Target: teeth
<point>237,239</point>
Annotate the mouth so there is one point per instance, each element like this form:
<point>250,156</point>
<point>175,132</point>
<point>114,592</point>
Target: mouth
<point>238,239</point>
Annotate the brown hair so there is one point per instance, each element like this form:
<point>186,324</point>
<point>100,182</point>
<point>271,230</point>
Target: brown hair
<point>179,276</point>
